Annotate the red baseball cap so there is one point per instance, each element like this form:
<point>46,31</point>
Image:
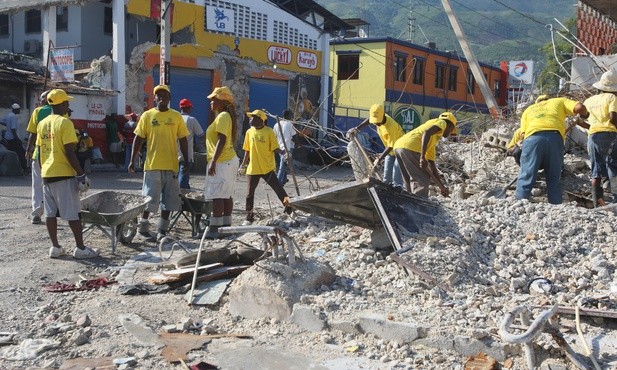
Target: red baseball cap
<point>185,103</point>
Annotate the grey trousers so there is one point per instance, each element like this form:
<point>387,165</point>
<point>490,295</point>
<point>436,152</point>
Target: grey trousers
<point>415,179</point>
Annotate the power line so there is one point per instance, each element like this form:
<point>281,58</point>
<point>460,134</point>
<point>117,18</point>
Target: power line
<point>490,19</point>
<point>522,14</point>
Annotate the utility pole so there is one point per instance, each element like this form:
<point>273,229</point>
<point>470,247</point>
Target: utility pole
<point>165,39</point>
<point>412,21</point>
<point>473,62</point>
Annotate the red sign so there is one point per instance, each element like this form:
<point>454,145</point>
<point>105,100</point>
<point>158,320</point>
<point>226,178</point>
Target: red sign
<point>279,55</point>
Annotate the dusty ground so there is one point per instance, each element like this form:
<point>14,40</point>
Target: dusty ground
<point>485,249</point>
<point>29,312</point>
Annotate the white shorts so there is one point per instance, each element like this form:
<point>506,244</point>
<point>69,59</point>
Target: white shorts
<point>61,198</point>
<point>164,188</point>
<point>221,185</point>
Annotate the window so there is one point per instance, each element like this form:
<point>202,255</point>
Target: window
<point>62,18</point>
<point>471,83</point>
<point>108,22</point>
<point>4,24</point>
<point>348,66</point>
<point>418,72</point>
<point>440,71</point>
<point>452,79</point>
<point>33,21</point>
<point>496,89</point>
<point>400,67</point>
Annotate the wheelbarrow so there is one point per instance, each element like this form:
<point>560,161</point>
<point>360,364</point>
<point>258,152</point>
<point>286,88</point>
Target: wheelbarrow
<point>114,213</point>
<point>195,209</point>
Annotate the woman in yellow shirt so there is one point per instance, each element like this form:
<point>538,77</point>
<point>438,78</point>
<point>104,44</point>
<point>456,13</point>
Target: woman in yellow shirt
<point>222,159</point>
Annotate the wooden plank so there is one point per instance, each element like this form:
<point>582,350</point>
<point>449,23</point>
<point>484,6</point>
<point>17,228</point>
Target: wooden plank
<point>593,312</point>
<point>190,270</point>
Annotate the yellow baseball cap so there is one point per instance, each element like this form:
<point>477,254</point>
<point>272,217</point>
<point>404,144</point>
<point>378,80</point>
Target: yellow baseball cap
<point>222,93</point>
<point>449,116</point>
<point>161,87</point>
<point>376,113</point>
<point>259,113</point>
<point>57,96</point>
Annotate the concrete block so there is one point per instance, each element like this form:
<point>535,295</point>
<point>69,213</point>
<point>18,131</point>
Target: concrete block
<point>272,290</point>
<point>401,332</point>
<point>467,346</point>
<point>348,327</point>
<point>303,316</point>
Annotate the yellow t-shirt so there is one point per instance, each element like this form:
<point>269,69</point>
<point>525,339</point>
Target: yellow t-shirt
<point>33,121</point>
<point>547,115</point>
<point>413,139</point>
<point>389,132</point>
<point>260,144</point>
<point>221,124</point>
<point>600,107</point>
<point>52,134</point>
<point>161,130</point>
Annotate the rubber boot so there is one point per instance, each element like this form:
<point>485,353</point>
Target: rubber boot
<point>143,231</point>
<point>212,231</point>
<point>162,227</point>
<point>597,193</point>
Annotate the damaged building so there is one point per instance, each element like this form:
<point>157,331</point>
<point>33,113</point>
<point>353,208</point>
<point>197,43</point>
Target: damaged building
<point>273,54</point>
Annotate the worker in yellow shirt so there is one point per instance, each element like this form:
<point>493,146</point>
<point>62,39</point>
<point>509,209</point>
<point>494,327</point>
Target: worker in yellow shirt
<point>416,153</point>
<point>544,129</point>
<point>162,129</point>
<point>602,139</point>
<point>389,132</point>
<point>62,176</point>
<point>260,144</point>
<point>38,114</point>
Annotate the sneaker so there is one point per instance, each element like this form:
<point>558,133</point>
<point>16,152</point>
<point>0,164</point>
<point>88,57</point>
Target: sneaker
<point>87,252</point>
<point>36,220</point>
<point>160,235</point>
<point>247,223</point>
<point>55,252</point>
<point>146,236</point>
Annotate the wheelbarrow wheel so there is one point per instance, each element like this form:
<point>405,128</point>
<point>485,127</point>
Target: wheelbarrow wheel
<point>127,231</point>
<point>203,224</point>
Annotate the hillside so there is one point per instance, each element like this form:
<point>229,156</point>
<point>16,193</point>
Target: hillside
<point>497,30</point>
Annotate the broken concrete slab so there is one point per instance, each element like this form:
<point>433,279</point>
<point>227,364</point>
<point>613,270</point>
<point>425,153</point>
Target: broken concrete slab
<point>467,346</point>
<point>303,316</point>
<point>348,327</point>
<point>138,328</point>
<point>402,332</point>
<point>271,288</point>
<point>208,293</point>
<point>28,349</point>
<point>373,205</point>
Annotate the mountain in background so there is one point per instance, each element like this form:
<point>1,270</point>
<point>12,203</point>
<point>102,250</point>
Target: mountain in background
<point>496,29</point>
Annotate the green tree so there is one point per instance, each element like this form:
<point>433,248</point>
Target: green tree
<point>558,64</point>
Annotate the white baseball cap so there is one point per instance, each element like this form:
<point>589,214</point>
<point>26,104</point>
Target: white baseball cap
<point>15,106</point>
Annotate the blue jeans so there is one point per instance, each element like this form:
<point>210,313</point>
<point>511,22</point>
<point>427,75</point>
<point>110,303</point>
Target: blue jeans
<point>184,175</point>
<point>392,172</point>
<point>281,173</point>
<point>602,149</point>
<point>543,149</point>
<point>127,156</point>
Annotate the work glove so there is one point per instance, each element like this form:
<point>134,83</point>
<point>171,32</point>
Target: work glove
<point>83,183</point>
<point>242,170</point>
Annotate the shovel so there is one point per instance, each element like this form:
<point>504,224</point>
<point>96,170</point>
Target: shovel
<point>501,193</point>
